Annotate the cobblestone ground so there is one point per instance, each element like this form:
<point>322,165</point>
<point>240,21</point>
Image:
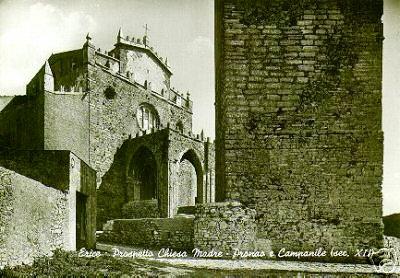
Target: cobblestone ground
<point>263,268</point>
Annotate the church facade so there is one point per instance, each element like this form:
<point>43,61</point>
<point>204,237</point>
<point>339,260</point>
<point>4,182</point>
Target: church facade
<point>117,112</point>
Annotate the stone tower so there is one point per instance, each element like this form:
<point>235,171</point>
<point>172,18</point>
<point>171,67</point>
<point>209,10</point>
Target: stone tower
<point>298,118</point>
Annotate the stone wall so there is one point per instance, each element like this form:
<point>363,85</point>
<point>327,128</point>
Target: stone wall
<point>144,68</point>
<point>63,171</point>
<point>67,123</point>
<point>69,70</point>
<point>114,120</point>
<point>34,219</point>
<point>141,209</point>
<point>225,227</point>
<point>176,233</point>
<point>169,149</point>
<point>21,123</point>
<point>393,244</point>
<point>298,118</point>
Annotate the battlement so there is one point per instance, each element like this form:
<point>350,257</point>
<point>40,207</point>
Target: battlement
<point>109,63</point>
<point>144,45</point>
<point>190,135</point>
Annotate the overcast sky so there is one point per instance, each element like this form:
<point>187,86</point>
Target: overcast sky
<point>181,30</point>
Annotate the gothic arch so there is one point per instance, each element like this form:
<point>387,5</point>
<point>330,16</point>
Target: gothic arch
<point>142,178</point>
<point>191,156</point>
<point>147,116</point>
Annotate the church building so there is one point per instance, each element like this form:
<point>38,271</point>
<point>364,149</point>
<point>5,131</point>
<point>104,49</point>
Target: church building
<point>118,113</point>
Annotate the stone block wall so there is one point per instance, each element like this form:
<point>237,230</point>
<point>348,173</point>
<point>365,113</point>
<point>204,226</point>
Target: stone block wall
<point>34,219</point>
<point>115,189</point>
<point>298,118</point>
<point>169,148</point>
<point>141,209</point>
<point>67,173</point>
<point>224,227</point>
<point>114,120</point>
<point>392,225</point>
<point>144,68</point>
<point>176,233</point>
<point>393,246</point>
<point>69,70</point>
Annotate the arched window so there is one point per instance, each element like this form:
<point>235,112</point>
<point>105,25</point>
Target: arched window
<point>147,117</point>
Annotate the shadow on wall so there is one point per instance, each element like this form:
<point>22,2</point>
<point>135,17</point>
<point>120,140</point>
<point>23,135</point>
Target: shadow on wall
<point>132,181</point>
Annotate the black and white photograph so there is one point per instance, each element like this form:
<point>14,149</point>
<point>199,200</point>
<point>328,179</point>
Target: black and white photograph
<point>199,138</point>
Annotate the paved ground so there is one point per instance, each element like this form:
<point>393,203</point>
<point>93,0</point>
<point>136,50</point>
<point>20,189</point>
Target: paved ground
<point>262,265</point>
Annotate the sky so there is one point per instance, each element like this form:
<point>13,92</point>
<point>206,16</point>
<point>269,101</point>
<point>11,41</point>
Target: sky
<point>182,30</point>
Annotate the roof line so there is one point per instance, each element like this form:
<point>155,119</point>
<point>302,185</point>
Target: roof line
<point>145,48</point>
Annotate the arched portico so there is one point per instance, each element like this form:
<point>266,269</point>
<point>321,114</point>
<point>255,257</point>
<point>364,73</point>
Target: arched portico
<point>190,185</point>
<point>142,176</point>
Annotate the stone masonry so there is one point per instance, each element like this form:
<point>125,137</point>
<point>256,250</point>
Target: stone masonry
<point>33,180</point>
<point>34,219</point>
<point>95,103</point>
<point>165,151</point>
<point>150,233</point>
<point>298,119</point>
<point>224,227</point>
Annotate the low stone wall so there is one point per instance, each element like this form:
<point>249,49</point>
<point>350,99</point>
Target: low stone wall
<point>33,219</point>
<point>141,209</point>
<point>224,227</point>
<point>393,244</point>
<point>176,233</point>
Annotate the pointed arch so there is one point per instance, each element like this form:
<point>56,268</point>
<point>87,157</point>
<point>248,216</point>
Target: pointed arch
<point>191,156</point>
<point>142,175</point>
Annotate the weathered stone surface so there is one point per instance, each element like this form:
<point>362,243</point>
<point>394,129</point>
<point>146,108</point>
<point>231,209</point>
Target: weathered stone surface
<point>34,219</point>
<point>174,233</point>
<point>164,151</point>
<point>40,174</point>
<point>96,104</point>
<point>305,151</point>
<point>224,227</point>
<point>141,209</point>
<point>393,246</point>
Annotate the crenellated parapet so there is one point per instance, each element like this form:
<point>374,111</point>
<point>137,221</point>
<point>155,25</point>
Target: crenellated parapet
<point>109,62</point>
<point>199,137</point>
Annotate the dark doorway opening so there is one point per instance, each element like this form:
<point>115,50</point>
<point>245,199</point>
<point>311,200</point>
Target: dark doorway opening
<point>143,176</point>
<point>81,220</point>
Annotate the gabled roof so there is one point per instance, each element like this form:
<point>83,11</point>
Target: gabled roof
<point>142,46</point>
